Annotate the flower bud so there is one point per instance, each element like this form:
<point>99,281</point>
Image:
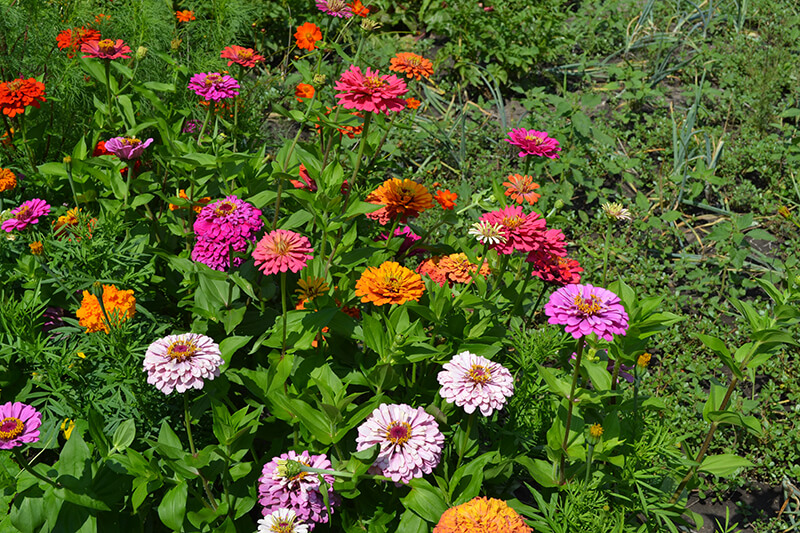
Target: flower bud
<point>141,52</point>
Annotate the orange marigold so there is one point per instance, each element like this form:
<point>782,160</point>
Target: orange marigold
<point>185,15</point>
<point>359,9</point>
<point>16,95</point>
<point>413,65</point>
<point>307,36</point>
<point>401,199</point>
<point>8,180</point>
<point>446,199</point>
<point>119,306</point>
<point>37,248</point>
<point>389,283</point>
<point>304,90</point>
<point>522,189</point>
<point>481,515</point>
<point>458,269</point>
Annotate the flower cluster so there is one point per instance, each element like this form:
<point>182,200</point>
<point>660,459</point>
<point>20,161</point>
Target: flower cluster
<point>401,200</point>
<point>182,362</point>
<point>18,94</point>
<point>453,268</point>
<point>229,224</point>
<point>118,306</point>
<point>474,382</point>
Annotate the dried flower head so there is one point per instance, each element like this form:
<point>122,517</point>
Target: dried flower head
<point>310,288</point>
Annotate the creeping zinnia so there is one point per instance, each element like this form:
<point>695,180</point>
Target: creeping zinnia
<point>18,94</point>
<point>281,250</point>
<point>389,283</point>
<point>585,309</point>
<point>118,306</point>
<point>246,57</point>
<point>532,142</point>
<point>481,515</point>
<point>371,91</point>
<point>26,214</point>
<point>401,199</point>
<point>106,49</point>
<point>213,86</point>
<point>127,148</point>
<point>307,36</point>
<point>19,424</point>
<point>412,65</point>
<point>521,189</point>
<point>474,382</point>
<point>182,362</point>
<point>409,439</point>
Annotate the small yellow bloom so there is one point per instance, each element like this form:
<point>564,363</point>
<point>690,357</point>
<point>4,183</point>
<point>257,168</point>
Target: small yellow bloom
<point>37,248</point>
<point>596,431</point>
<point>82,355</point>
<point>643,360</point>
<point>67,426</point>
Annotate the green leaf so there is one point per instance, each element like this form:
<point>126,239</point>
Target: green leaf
<point>173,507</point>
<point>541,471</point>
<point>555,384</point>
<point>724,464</point>
<point>467,480</point>
<point>425,500</point>
<point>123,436</point>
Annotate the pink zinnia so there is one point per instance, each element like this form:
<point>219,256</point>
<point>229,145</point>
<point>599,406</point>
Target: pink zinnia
<point>26,214</point>
<point>586,309</point>
<point>19,424</point>
<point>370,91</point>
<point>524,233</point>
<point>127,148</point>
<point>217,254</point>
<point>213,86</point>
<point>281,250</point>
<point>280,488</point>
<point>336,8</point>
<point>182,362</point>
<point>224,225</point>
<point>474,382</point>
<point>555,269</point>
<point>532,142</point>
<point>106,49</point>
<point>307,183</point>
<point>246,57</point>
<point>409,439</point>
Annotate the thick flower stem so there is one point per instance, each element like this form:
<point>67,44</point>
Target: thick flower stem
<point>131,165</point>
<point>28,468</point>
<point>589,454</point>
<point>107,63</point>
<point>395,223</point>
<point>203,127</point>
<point>571,400</point>
<point>283,311</point>
<point>538,301</point>
<point>605,252</point>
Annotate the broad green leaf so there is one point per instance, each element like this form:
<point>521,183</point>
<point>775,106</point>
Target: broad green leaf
<point>724,464</point>
<point>172,508</point>
<point>123,436</point>
<point>425,500</point>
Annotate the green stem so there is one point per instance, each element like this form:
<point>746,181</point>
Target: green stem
<point>28,468</point>
<point>131,164</point>
<point>107,63</point>
<point>205,123</point>
<point>589,454</point>
<point>615,379</point>
<point>395,223</point>
<point>187,422</point>
<point>538,301</point>
<point>361,145</point>
<point>605,252</point>
<point>283,310</point>
<point>570,407</point>
<point>68,167</point>
<point>374,157</point>
<point>521,292</point>
<point>463,448</point>
<point>280,179</point>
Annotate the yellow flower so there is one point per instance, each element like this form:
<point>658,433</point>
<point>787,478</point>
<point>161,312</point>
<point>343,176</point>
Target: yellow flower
<point>36,248</point>
<point>643,360</point>
<point>67,426</point>
<point>596,431</point>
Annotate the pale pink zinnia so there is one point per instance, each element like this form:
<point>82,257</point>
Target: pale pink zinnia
<point>26,214</point>
<point>279,487</point>
<point>19,424</point>
<point>524,233</point>
<point>370,91</point>
<point>585,309</point>
<point>282,521</point>
<point>409,439</point>
<point>336,8</point>
<point>182,362</point>
<point>106,49</point>
<point>474,382</point>
<point>282,250</point>
<point>532,142</point>
<point>127,148</point>
<point>213,86</point>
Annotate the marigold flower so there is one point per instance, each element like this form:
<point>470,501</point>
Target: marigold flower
<point>446,199</point>
<point>413,103</point>
<point>585,309</point>
<point>106,49</point>
<point>304,90</point>
<point>74,38</point>
<point>8,180</point>
<point>474,382</point>
<point>532,142</point>
<point>281,250</point>
<point>615,212</point>
<point>554,269</point>
<point>358,8</point>
<point>213,86</point>
<point>185,15</point>
<point>18,94</point>
<point>412,65</point>
<point>307,36</point>
<point>370,91</point>
<point>402,199</point>
<point>521,189</point>
<point>19,424</point>
<point>246,57</point>
<point>481,515</point>
<point>37,248</point>
<point>26,214</point>
<point>119,306</point>
<point>182,362</point>
<point>335,8</point>
<point>282,521</point>
<point>127,148</point>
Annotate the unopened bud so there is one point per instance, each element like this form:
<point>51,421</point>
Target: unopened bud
<point>67,160</point>
<point>319,79</point>
<point>289,469</point>
<point>175,43</point>
<point>141,52</point>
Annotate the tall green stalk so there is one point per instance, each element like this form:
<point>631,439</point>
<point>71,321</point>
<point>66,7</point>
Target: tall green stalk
<point>605,251</point>
<point>571,401</point>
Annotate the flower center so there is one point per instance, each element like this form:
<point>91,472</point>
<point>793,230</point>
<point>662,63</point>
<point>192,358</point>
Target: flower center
<point>211,79</point>
<point>392,284</point>
<point>336,5</point>
<point>282,526</point>
<point>13,86</point>
<point>225,208</point>
<point>282,247</point>
<point>11,428</point>
<point>414,61</point>
<point>106,46</point>
<point>181,350</point>
<point>513,222</point>
<point>131,141</point>
<point>374,82</point>
<point>23,212</point>
<point>534,139</point>
<point>479,374</point>
<point>244,54</point>
<point>398,432</point>
<point>588,306</point>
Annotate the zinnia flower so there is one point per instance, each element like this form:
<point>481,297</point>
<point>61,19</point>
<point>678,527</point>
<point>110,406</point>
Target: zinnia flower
<point>8,180</point>
<point>409,238</point>
<point>16,95</point>
<point>532,142</point>
<point>198,204</point>
<point>37,248</point>
<point>26,214</point>
<point>586,309</point>
<point>554,269</point>
<point>307,36</point>
<point>106,49</point>
<point>281,521</point>
<point>525,232</point>
<point>213,86</point>
<point>336,8</point>
<point>182,362</point>
<point>430,267</point>
<point>474,382</point>
<point>75,37</point>
<point>389,284</point>
<point>281,250</point>
<point>614,211</point>
<point>458,269</point>
<point>127,148</point>
<point>282,487</point>
<point>185,15</point>
<point>413,65</point>
<point>481,515</point>
<point>307,183</point>
<point>402,199</point>
<point>246,57</point>
<point>303,90</point>
<point>488,232</point>
<point>446,199</point>
<point>358,8</point>
<point>19,424</point>
<point>118,305</point>
<point>521,189</point>
<point>413,103</point>
<point>224,225</point>
<point>409,439</point>
<point>370,91</point>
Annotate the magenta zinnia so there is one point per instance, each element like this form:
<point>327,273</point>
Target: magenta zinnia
<point>19,424</point>
<point>213,86</point>
<point>224,225</point>
<point>182,362</point>
<point>532,142</point>
<point>370,91</point>
<point>335,8</point>
<point>127,148</point>
<point>409,439</point>
<point>26,214</point>
<point>585,309</point>
<point>524,233</point>
<point>282,487</point>
<point>106,49</point>
<point>474,382</point>
<point>282,250</point>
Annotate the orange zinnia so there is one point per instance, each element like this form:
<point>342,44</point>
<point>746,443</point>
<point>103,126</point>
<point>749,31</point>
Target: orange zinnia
<point>185,15</point>
<point>446,199</point>
<point>413,65</point>
<point>119,306</point>
<point>307,36</point>
<point>458,269</point>
<point>480,515</point>
<point>521,189</point>
<point>304,90</point>
<point>389,283</point>
<point>430,267</point>
<point>413,103</point>
<point>7,179</point>
<point>401,199</point>
<point>73,38</point>
<point>16,95</point>
<point>196,208</point>
<point>358,8</point>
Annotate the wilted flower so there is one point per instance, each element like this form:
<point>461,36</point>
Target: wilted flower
<point>481,515</point>
<point>474,382</point>
<point>585,309</point>
<point>182,362</point>
<point>412,65</point>
<point>532,142</point>
<point>614,211</point>
<point>19,424</point>
<point>281,250</point>
<point>370,91</point>
<point>389,284</point>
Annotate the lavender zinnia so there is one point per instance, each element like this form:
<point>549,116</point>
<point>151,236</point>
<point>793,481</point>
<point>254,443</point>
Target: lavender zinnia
<point>585,309</point>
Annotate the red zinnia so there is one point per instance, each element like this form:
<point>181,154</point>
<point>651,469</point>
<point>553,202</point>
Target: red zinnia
<point>370,91</point>
<point>16,95</point>
<point>359,9</point>
<point>106,49</point>
<point>446,199</point>
<point>75,37</point>
<point>307,36</point>
<point>555,269</point>
<point>246,57</point>
<point>525,233</point>
<point>185,15</point>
